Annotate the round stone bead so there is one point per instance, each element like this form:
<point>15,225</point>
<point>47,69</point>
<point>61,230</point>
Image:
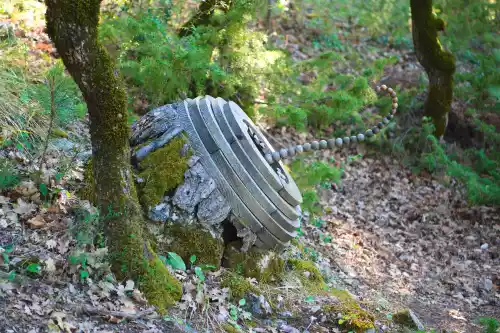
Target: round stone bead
<point>291,151</point>
<point>369,133</point>
<point>386,121</point>
<point>269,158</point>
<point>393,94</point>
<point>315,145</point>
<point>390,116</point>
<point>394,99</point>
<point>384,87</point>
<point>283,153</point>
<point>361,137</point>
<point>307,146</point>
<point>380,125</point>
<point>331,143</point>
<point>323,144</point>
<point>390,91</point>
<point>395,105</point>
<point>276,156</point>
<point>338,142</point>
<point>354,139</point>
<point>346,140</point>
<point>299,149</point>
<point>375,129</point>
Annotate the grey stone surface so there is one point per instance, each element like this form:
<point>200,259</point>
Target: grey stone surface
<point>217,107</point>
<point>154,124</point>
<point>214,209</point>
<point>244,217</point>
<point>197,186</point>
<point>237,175</point>
<point>240,123</point>
<point>160,213</point>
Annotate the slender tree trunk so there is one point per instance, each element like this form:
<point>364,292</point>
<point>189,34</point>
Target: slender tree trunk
<point>73,27</point>
<point>203,15</point>
<point>438,63</point>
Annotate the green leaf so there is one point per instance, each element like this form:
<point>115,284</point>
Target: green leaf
<point>84,274</point>
<point>242,302</point>
<point>341,321</point>
<point>309,299</point>
<point>5,257</point>
<point>43,189</point>
<point>12,276</point>
<point>207,267</point>
<point>199,273</point>
<point>34,268</point>
<point>192,259</point>
<point>176,261</point>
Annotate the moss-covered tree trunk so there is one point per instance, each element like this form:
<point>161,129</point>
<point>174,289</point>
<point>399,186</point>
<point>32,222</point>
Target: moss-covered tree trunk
<point>203,15</point>
<point>438,63</point>
<point>73,27</point>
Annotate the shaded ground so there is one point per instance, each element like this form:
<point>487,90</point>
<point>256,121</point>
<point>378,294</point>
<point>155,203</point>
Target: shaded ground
<point>404,241</point>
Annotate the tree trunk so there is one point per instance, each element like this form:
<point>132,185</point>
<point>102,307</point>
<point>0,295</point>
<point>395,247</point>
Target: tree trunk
<point>203,15</point>
<point>438,63</point>
<point>73,27</point>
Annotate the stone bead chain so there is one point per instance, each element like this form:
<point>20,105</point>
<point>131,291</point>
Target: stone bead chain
<point>338,142</point>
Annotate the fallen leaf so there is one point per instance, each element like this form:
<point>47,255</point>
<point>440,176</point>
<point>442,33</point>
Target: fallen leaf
<point>37,222</point>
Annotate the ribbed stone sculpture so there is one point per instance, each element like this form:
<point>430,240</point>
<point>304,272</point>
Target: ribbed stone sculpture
<point>235,174</point>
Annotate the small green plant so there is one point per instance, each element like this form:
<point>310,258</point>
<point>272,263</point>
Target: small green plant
<point>490,325</point>
<point>9,176</point>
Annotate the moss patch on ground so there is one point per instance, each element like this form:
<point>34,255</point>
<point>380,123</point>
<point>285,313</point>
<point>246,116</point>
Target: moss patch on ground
<point>308,274</point>
<point>193,240</point>
<point>162,171</point>
<point>354,318</point>
<point>237,284</point>
<point>265,266</point>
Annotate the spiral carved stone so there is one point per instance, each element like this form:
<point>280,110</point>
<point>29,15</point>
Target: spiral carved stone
<point>247,171</point>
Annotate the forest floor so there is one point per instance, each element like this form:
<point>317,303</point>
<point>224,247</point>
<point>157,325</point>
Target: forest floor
<point>397,241</point>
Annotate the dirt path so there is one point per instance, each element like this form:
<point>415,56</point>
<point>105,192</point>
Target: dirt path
<point>401,241</point>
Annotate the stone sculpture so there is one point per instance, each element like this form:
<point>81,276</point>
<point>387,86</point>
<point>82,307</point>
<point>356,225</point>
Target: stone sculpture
<point>234,176</point>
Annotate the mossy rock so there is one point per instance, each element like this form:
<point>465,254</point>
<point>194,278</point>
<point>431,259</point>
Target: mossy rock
<point>403,318</point>
<point>162,171</point>
<point>238,285</point>
<point>265,266</point>
<point>309,275</point>
<point>193,240</point>
<point>354,318</point>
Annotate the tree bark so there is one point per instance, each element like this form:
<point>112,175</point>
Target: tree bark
<point>438,63</point>
<point>73,27</point>
<point>203,15</point>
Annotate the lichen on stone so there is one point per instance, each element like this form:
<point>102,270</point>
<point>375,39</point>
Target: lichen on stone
<point>162,171</point>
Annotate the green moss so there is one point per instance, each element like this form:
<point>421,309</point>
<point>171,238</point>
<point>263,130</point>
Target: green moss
<point>159,286</point>
<point>237,284</point>
<point>59,133</point>
<point>193,240</point>
<point>403,318</point>
<point>88,192</point>
<point>230,328</point>
<point>354,318</point>
<point>265,266</point>
<point>162,170</point>
<point>309,275</point>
